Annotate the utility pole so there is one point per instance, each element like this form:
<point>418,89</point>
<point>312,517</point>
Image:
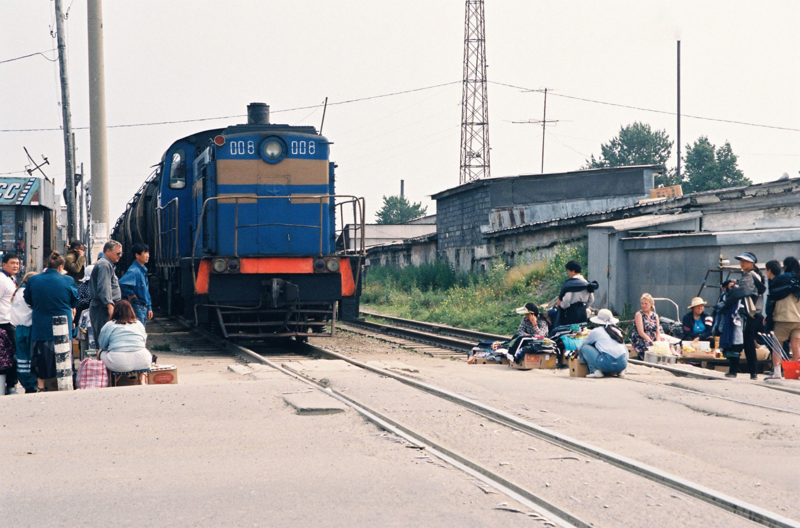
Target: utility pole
<point>97,127</point>
<point>542,122</point>
<point>69,147</point>
<point>679,111</point>
<point>474,98</point>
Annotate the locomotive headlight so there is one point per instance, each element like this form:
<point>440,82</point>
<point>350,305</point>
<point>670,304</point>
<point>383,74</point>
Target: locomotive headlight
<point>219,265</point>
<point>273,150</point>
<point>319,265</point>
<point>333,265</point>
<point>233,265</point>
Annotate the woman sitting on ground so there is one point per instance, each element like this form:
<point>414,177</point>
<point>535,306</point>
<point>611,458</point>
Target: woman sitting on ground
<point>534,323</point>
<point>122,341</point>
<point>697,323</point>
<point>648,327</point>
<point>603,350</point>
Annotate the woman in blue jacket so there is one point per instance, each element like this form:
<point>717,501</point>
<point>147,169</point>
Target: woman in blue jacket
<point>697,324</point>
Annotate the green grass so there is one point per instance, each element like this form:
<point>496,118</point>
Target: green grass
<point>435,292</point>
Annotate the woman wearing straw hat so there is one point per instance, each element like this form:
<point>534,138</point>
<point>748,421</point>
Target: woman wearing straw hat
<point>603,350</point>
<point>697,323</point>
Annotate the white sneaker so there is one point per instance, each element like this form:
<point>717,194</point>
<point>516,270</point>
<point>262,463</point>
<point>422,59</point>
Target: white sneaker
<point>621,374</point>
<point>596,374</point>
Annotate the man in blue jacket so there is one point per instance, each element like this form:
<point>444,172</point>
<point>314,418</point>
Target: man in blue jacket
<point>134,286</point>
<point>52,296</point>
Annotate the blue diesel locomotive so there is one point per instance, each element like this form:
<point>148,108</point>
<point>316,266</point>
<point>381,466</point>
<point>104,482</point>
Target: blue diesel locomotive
<point>241,223</point>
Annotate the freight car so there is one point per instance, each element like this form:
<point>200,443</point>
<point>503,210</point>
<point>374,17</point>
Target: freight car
<point>241,225</point>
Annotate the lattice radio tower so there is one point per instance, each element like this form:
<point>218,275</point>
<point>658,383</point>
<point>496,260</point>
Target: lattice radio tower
<point>474,101</point>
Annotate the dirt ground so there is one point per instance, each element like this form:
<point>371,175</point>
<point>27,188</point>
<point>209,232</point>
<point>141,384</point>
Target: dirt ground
<point>218,449</point>
<point>222,447</point>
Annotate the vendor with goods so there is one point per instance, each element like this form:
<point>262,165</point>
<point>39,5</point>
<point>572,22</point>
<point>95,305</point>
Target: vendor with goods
<point>603,350</point>
<point>742,316</point>
<point>534,323</point>
<point>122,341</point>
<point>647,326</point>
<point>697,324</point>
<point>783,308</point>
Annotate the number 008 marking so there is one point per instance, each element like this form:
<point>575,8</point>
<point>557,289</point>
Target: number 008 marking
<point>303,147</point>
<point>241,147</point>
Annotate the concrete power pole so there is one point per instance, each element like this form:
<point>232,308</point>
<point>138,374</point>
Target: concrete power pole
<point>69,139</point>
<point>474,98</point>
<point>97,128</point>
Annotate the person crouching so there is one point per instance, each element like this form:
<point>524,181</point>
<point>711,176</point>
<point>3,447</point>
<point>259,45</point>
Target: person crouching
<point>122,341</point>
<point>603,350</point>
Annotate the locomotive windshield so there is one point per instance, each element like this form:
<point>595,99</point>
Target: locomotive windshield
<point>177,170</point>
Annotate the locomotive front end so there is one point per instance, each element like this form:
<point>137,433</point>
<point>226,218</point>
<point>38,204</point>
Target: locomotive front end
<point>263,259</point>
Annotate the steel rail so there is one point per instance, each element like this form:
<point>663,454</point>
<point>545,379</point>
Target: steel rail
<point>442,329</point>
<point>415,335</point>
<point>694,391</point>
<point>545,510</point>
<point>720,500</point>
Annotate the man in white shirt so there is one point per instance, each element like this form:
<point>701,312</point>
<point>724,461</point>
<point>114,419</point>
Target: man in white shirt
<point>8,285</point>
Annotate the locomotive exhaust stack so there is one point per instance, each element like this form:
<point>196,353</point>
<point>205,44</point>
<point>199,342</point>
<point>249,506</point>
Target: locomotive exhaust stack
<point>258,114</point>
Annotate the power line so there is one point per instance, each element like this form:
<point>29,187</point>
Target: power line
<point>650,109</point>
<point>132,125</point>
<point>42,53</point>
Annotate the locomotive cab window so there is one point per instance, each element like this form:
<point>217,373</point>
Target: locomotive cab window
<point>177,170</point>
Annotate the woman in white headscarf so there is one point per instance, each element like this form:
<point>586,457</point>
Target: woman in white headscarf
<point>603,350</point>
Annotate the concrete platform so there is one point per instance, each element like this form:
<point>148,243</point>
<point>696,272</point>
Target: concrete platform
<point>312,403</point>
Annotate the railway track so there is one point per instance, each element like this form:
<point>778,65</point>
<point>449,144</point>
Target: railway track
<point>540,508</point>
<point>461,340</point>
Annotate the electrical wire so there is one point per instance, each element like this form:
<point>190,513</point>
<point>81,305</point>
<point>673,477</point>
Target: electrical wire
<point>132,125</point>
<point>730,121</point>
<point>42,53</point>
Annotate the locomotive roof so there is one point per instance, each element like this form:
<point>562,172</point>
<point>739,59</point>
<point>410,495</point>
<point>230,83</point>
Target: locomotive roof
<point>241,129</point>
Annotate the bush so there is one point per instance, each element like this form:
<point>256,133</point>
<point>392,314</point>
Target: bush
<point>486,302</point>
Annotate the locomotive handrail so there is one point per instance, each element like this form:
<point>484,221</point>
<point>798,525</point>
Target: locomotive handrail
<point>358,203</point>
<point>170,234</point>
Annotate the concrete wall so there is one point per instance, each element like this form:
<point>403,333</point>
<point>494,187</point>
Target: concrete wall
<point>675,266</point>
<point>402,255</point>
<point>469,216</point>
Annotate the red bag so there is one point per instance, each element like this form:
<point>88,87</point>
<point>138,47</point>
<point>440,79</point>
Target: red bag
<point>92,374</point>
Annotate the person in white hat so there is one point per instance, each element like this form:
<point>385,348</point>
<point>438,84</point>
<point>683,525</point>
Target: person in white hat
<point>603,350</point>
<point>697,323</point>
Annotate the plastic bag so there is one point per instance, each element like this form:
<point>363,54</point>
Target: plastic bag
<point>92,374</point>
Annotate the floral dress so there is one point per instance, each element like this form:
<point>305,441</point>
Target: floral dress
<point>650,326</point>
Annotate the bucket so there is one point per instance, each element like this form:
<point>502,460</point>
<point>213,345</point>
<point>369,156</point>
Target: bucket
<point>2,384</point>
<point>791,369</point>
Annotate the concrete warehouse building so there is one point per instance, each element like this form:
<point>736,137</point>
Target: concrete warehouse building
<point>636,244</point>
<point>501,216</point>
<point>668,252</point>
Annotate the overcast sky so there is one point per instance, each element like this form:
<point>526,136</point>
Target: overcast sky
<point>183,60</point>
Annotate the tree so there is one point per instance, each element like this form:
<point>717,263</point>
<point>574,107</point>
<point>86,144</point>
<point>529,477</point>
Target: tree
<point>637,144</point>
<point>708,168</point>
<point>397,209</point>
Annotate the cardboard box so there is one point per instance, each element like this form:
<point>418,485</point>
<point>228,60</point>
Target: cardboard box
<point>675,191</point>
<point>163,375</point>
<point>124,380</point>
<point>577,369</point>
<point>536,361</point>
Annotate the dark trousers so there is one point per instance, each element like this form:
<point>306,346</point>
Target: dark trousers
<point>750,329</point>
<point>11,372</point>
<point>99,317</point>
